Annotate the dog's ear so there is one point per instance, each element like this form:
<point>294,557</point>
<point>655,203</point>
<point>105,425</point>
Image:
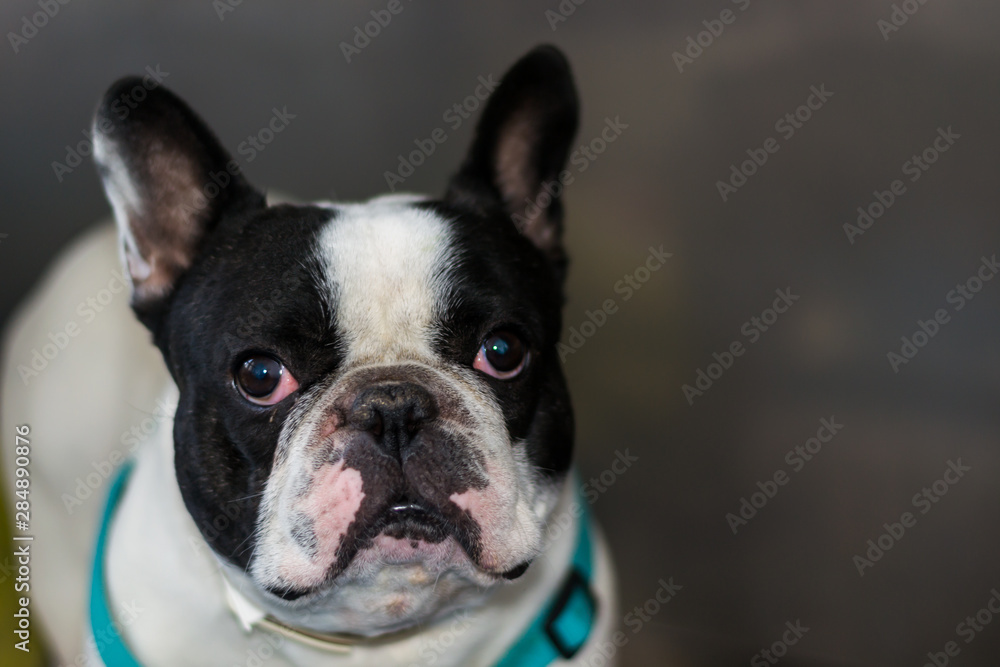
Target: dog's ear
<point>169,181</point>
<point>520,148</point>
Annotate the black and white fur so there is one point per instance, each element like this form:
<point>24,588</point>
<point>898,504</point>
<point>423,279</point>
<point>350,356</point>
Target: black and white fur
<point>327,517</point>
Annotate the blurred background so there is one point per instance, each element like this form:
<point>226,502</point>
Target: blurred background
<point>692,87</point>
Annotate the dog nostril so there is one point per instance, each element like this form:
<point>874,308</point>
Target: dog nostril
<point>393,413</point>
<point>376,427</point>
<point>413,423</point>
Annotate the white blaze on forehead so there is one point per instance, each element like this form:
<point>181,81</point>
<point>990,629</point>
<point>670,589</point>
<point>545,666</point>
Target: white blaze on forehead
<point>386,266</point>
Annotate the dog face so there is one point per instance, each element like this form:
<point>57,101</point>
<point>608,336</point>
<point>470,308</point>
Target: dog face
<point>370,396</point>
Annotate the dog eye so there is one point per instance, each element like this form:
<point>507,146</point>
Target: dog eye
<point>264,380</point>
<point>502,355</point>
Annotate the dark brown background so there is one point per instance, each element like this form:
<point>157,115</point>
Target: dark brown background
<point>665,516</point>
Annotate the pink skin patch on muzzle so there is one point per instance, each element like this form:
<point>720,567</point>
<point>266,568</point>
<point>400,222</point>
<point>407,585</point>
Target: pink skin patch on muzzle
<point>487,514</point>
<point>333,500</point>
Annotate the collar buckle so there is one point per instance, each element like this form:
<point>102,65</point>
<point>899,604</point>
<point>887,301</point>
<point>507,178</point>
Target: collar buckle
<point>572,615</point>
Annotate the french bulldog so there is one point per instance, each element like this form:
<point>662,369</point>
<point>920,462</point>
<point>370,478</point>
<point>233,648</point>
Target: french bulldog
<point>368,454</point>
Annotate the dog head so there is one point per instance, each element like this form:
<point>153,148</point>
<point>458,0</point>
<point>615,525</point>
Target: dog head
<point>369,393</point>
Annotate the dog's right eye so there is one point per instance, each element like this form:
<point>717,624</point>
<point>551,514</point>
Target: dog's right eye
<point>264,380</point>
<point>502,355</point>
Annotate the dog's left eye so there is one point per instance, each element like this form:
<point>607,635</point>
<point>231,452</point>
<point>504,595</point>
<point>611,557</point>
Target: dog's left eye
<point>502,355</point>
<point>264,380</point>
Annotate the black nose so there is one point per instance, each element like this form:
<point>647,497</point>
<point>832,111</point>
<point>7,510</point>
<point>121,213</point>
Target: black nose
<point>393,412</point>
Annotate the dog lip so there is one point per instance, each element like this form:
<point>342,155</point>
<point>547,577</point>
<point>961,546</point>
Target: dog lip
<point>410,520</point>
<point>288,594</point>
<point>403,519</point>
<point>402,509</point>
<point>516,572</point>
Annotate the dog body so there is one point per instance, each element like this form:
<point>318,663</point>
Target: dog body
<point>370,442</point>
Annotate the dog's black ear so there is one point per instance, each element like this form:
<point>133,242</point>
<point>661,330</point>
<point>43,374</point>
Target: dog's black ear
<point>520,148</point>
<point>168,179</point>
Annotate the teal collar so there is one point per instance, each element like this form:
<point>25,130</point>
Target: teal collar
<point>103,627</point>
<point>559,631</point>
<point>562,627</point>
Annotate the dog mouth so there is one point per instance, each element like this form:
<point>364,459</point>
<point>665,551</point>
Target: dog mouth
<point>405,531</point>
<point>407,519</point>
<point>414,524</point>
<point>365,511</point>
